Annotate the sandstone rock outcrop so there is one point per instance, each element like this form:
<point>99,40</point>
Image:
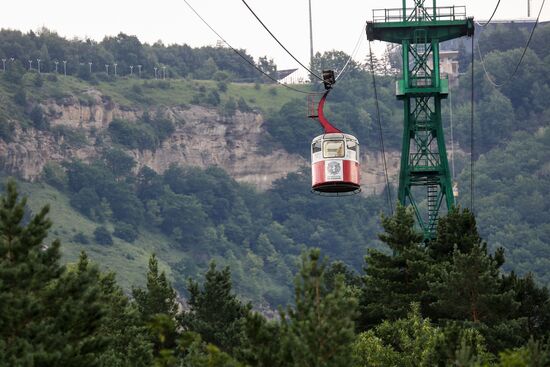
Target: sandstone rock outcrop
<point>202,138</point>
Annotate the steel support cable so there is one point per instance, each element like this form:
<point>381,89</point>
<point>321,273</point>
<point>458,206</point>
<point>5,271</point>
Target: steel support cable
<point>241,55</point>
<point>487,75</point>
<point>509,79</point>
<point>492,15</point>
<point>343,74</point>
<point>472,140</point>
<point>388,188</point>
<point>353,53</point>
<point>452,134</point>
<point>453,172</point>
<point>279,42</point>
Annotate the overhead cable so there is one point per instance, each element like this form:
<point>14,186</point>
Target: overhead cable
<point>487,75</point>
<point>452,133</point>
<point>388,187</point>
<point>492,15</point>
<point>472,140</point>
<point>354,52</point>
<point>279,42</point>
<point>240,54</point>
<point>509,79</point>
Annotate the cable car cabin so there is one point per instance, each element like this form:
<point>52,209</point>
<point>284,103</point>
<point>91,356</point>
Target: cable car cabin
<point>335,164</point>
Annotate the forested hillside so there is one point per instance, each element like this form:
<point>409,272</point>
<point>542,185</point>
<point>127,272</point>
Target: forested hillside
<point>512,130</point>
<point>125,254</point>
<point>120,212</point>
<point>204,214</point>
<point>87,58</point>
<point>421,305</point>
<point>190,215</point>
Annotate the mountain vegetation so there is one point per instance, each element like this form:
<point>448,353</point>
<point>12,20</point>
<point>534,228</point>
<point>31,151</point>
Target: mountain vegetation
<point>510,139</point>
<point>77,315</point>
<point>222,255</point>
<point>206,214</point>
<point>126,56</point>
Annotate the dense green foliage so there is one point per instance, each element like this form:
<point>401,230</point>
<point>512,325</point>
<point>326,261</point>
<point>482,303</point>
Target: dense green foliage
<point>6,130</point>
<point>510,133</point>
<point>215,312</point>
<point>207,214</point>
<point>453,301</point>
<point>125,50</point>
<point>410,341</point>
<point>394,280</point>
<point>455,280</point>
<point>139,135</point>
<point>519,104</point>
<point>102,236</point>
<point>322,318</point>
<point>237,224</point>
<point>513,192</point>
<point>52,315</point>
<point>511,136</point>
<point>72,316</point>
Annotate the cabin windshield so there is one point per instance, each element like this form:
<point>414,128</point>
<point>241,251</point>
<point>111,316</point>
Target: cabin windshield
<point>333,149</point>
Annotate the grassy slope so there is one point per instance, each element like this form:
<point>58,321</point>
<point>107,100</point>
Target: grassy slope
<point>129,261</point>
<point>122,91</point>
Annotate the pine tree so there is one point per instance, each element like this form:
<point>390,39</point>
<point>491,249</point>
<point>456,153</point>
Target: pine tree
<point>25,269</point>
<point>159,297</point>
<point>467,285</point>
<point>352,279</point>
<point>534,304</point>
<point>129,343</point>
<point>165,336</point>
<point>265,346</point>
<point>158,308</point>
<point>215,312</point>
<point>393,281</point>
<point>467,282</point>
<point>463,346</point>
<point>76,315</point>
<point>319,329</point>
<point>457,229</point>
<point>48,316</point>
<point>468,288</point>
<point>533,354</point>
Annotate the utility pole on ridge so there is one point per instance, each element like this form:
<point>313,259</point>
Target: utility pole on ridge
<point>310,42</point>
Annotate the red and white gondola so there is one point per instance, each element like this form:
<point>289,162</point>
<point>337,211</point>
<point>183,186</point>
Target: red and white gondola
<point>335,165</point>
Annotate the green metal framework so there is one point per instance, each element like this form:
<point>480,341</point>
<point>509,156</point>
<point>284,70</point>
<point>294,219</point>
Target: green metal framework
<point>424,171</point>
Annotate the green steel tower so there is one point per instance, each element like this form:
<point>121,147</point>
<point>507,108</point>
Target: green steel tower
<point>424,171</point>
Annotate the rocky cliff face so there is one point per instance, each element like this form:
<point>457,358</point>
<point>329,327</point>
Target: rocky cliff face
<point>202,138</point>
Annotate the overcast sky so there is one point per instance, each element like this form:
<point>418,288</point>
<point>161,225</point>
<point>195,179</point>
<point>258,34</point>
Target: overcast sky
<point>336,24</point>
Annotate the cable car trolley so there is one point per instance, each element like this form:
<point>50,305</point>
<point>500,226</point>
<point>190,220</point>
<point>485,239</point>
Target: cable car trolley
<point>335,169</point>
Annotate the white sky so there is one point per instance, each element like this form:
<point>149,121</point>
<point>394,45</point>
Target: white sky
<point>336,24</point>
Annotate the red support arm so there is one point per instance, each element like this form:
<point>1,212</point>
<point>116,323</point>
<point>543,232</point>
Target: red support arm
<point>322,119</point>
